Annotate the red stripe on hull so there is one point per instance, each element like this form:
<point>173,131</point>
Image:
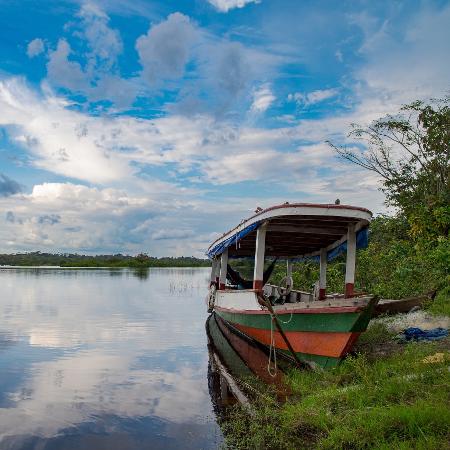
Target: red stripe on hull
<point>331,344</point>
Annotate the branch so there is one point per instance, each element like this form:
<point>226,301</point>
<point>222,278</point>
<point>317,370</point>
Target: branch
<point>366,163</point>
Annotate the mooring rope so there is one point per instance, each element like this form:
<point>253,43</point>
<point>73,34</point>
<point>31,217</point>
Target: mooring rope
<point>265,302</point>
<point>285,323</point>
<point>272,349</point>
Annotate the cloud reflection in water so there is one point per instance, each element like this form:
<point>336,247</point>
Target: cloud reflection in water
<point>108,352</point>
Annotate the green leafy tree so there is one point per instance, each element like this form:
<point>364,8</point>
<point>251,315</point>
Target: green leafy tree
<point>410,151</point>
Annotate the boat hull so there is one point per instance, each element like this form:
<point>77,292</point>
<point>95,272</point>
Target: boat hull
<point>320,333</point>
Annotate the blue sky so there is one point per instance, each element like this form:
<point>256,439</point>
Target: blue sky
<point>130,126</point>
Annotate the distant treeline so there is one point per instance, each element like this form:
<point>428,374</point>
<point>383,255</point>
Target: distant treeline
<point>119,260</point>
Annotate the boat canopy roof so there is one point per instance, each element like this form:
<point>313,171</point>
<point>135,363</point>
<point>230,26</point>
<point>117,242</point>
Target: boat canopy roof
<point>297,231</point>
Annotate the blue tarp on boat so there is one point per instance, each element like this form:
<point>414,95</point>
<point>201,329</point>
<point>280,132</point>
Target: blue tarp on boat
<point>362,241</point>
<point>219,248</point>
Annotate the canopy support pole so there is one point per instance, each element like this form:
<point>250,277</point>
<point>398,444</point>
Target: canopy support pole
<point>214,266</point>
<point>351,262</point>
<point>323,274</point>
<point>258,274</point>
<point>288,273</point>
<point>217,272</point>
<point>223,269</point>
<point>289,268</point>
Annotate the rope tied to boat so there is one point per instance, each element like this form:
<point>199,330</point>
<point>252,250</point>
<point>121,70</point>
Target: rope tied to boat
<point>272,349</point>
<point>274,318</point>
<point>287,321</point>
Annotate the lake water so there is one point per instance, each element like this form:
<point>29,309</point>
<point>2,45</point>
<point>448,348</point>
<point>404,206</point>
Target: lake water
<point>104,359</point>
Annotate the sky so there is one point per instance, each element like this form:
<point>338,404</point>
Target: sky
<point>132,126</point>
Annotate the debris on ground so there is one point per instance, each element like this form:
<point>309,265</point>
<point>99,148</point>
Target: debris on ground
<point>417,334</point>
<point>434,359</point>
<point>414,319</point>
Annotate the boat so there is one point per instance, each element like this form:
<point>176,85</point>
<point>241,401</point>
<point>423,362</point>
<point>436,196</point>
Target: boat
<point>403,305</point>
<point>313,328</point>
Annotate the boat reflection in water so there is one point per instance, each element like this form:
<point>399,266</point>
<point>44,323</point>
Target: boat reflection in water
<point>239,367</point>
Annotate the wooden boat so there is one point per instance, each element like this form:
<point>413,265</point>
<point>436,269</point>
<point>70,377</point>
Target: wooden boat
<point>403,305</point>
<point>315,327</point>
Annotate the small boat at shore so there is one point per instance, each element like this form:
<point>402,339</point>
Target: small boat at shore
<point>314,328</point>
<point>403,305</point>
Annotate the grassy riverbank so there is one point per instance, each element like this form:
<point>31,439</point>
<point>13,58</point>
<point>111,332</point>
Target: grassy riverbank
<point>387,395</point>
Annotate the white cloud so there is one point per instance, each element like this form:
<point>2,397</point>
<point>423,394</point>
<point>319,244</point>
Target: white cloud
<point>85,61</point>
<point>69,216</point>
<point>164,234</point>
<point>112,150</point>
<point>106,150</point>
<point>63,141</point>
<point>35,47</point>
<point>262,99</point>
<point>104,42</point>
<point>94,72</point>
<point>311,98</point>
<point>8,186</point>
<point>233,69</point>
<point>165,50</point>
<point>62,71</point>
<point>226,5</point>
<point>409,61</point>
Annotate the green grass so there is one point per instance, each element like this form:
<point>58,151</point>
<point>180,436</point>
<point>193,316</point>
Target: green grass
<point>395,401</point>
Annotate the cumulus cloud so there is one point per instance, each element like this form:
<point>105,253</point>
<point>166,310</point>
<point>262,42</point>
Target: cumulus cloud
<point>62,71</point>
<point>85,61</point>
<point>233,68</point>
<point>35,47</point>
<point>224,73</point>
<point>103,150</point>
<point>165,50</point>
<point>93,72</point>
<point>8,186</point>
<point>226,5</point>
<point>262,99</point>
<point>311,98</point>
<point>104,42</point>
<point>96,216</point>
<point>70,217</point>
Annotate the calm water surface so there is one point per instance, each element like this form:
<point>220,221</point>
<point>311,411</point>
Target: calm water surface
<point>104,359</point>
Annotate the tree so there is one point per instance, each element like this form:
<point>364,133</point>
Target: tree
<point>410,151</point>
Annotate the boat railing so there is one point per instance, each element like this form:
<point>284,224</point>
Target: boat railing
<point>295,295</point>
